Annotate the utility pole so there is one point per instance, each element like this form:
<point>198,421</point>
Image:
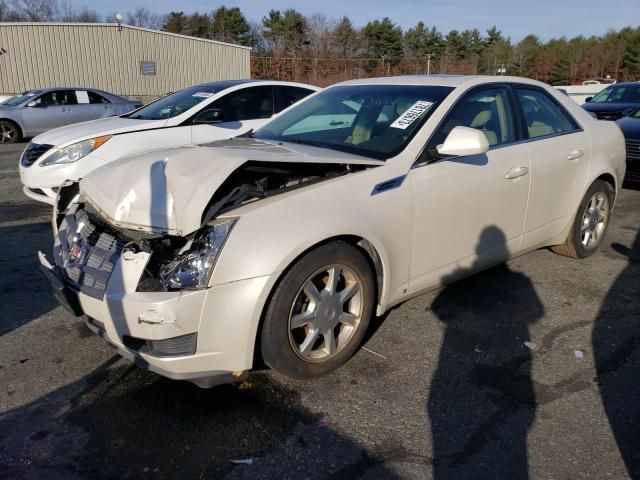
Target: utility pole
<point>429,63</point>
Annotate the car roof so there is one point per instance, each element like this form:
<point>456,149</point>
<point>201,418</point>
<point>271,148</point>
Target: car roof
<point>454,81</point>
<point>224,84</point>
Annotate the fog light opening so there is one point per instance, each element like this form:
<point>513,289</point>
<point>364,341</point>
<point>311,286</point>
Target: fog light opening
<point>173,347</point>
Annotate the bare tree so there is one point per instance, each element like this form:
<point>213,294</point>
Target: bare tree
<point>67,13</point>
<point>143,17</point>
<point>35,10</point>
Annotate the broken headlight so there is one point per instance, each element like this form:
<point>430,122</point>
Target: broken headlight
<point>192,269</point>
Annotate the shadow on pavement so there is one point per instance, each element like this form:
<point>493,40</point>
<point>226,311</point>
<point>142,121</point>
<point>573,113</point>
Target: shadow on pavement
<point>481,402</point>
<point>24,295</point>
<point>616,348</point>
<point>124,422</point>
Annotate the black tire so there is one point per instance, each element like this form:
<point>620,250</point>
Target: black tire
<point>276,344</point>
<point>574,246</point>
<point>9,132</point>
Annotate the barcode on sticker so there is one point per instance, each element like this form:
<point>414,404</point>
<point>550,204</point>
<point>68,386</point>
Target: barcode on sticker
<point>202,94</point>
<point>411,114</point>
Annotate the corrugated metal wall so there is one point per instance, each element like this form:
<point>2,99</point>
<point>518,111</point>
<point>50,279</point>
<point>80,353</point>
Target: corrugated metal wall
<point>100,56</point>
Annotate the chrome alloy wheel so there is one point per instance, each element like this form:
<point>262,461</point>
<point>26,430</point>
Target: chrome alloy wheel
<point>594,220</point>
<point>326,313</point>
<point>8,133</point>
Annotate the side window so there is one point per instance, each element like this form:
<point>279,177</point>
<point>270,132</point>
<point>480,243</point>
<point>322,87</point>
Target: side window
<point>247,104</point>
<point>96,98</point>
<point>287,96</point>
<point>488,110</point>
<point>542,115</point>
<point>57,97</point>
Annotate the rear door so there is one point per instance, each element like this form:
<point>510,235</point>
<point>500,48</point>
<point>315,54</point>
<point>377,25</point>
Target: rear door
<point>102,106</point>
<point>560,152</point>
<point>243,110</point>
<point>83,110</point>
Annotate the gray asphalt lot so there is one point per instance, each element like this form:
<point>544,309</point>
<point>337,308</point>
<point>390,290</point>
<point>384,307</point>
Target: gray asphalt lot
<point>446,387</point>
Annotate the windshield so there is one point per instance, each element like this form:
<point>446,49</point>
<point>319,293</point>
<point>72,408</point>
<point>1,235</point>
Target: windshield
<point>618,94</point>
<point>174,104</point>
<point>19,99</point>
<point>370,120</point>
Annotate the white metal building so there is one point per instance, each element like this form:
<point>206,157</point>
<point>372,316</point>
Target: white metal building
<point>128,61</point>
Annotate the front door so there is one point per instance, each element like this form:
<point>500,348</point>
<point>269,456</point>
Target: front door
<point>243,110</point>
<point>51,110</point>
<point>469,212</point>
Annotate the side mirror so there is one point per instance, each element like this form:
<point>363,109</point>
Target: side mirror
<point>34,104</point>
<point>588,99</point>
<point>212,115</point>
<point>464,141</point>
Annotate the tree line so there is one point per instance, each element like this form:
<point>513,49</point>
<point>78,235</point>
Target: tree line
<point>288,45</point>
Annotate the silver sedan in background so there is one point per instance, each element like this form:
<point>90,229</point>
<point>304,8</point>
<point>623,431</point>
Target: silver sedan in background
<point>36,111</point>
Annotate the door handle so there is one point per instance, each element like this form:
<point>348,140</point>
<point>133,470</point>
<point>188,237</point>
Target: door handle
<point>575,155</point>
<point>516,172</point>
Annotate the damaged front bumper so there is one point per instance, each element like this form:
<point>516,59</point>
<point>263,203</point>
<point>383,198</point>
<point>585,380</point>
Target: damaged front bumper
<point>204,336</point>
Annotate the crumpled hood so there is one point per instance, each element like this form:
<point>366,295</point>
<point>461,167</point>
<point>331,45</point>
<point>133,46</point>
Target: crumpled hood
<point>167,191</point>
<point>77,132</point>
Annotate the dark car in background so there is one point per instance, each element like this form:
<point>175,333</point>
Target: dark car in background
<point>630,126</point>
<point>36,111</point>
<point>615,101</point>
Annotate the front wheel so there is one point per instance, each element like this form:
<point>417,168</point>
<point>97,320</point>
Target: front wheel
<point>319,312</point>
<point>591,222</point>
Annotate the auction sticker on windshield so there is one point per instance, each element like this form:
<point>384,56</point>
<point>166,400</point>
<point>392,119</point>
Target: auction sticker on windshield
<point>411,114</point>
<point>202,94</point>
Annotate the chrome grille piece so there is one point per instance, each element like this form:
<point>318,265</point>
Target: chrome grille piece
<point>33,152</point>
<point>86,253</point>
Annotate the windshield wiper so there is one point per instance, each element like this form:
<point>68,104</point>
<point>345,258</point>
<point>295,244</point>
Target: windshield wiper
<point>249,134</point>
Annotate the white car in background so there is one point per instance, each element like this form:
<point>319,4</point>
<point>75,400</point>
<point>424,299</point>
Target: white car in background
<point>198,114</point>
<point>286,242</point>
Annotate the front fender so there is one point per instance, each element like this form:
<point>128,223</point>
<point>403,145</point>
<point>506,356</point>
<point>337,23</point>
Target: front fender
<point>272,233</point>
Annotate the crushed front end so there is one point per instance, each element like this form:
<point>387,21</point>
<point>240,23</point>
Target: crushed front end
<point>148,295</point>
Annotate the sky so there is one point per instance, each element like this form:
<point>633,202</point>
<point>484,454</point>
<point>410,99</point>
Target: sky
<point>515,18</point>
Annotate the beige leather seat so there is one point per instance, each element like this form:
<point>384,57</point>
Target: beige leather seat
<point>480,122</point>
<point>539,129</point>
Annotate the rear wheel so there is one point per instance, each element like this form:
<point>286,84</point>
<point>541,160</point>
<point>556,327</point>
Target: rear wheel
<point>9,132</point>
<point>591,222</point>
<point>319,312</point>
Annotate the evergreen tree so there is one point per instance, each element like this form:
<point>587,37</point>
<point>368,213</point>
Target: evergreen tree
<point>176,22</point>
<point>230,25</point>
<point>383,38</point>
<point>345,36</point>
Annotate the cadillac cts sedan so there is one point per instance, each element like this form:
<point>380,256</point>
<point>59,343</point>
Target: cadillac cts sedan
<point>281,245</point>
<point>36,111</point>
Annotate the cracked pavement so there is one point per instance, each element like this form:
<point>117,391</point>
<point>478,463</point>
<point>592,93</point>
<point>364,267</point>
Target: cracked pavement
<point>446,387</point>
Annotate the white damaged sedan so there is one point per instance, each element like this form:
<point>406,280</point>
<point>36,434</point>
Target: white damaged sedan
<point>281,245</point>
